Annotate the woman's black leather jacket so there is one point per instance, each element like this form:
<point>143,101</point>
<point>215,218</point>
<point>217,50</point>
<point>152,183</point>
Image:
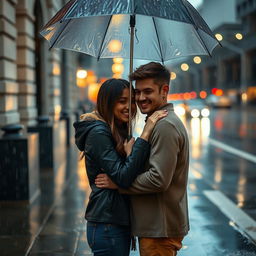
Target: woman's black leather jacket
<point>93,136</point>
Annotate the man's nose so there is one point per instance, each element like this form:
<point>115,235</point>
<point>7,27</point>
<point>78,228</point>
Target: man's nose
<point>141,97</point>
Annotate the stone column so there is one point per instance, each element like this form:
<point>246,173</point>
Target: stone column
<point>26,64</point>
<point>54,84</point>
<point>205,78</point>
<point>245,71</point>
<point>8,70</point>
<point>221,74</point>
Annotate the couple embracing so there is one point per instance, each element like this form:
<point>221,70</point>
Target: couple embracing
<point>138,187</point>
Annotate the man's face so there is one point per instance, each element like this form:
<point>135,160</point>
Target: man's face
<point>149,96</point>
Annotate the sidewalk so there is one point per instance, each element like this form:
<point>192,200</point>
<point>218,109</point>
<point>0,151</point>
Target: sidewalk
<point>54,225</point>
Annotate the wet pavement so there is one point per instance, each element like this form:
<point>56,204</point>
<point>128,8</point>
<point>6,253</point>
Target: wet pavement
<point>226,167</point>
<point>54,224</point>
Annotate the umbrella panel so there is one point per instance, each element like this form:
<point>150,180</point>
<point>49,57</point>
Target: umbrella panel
<point>155,38</point>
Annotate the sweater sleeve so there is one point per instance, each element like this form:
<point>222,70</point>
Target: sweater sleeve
<point>100,145</point>
<point>162,161</point>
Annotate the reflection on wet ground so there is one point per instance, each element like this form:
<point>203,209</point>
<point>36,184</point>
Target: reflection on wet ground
<point>54,224</point>
<point>223,170</point>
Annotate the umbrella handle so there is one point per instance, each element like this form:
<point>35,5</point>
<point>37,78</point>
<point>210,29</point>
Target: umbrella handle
<point>132,26</point>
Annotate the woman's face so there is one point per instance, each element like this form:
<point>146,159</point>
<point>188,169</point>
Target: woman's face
<point>121,108</point>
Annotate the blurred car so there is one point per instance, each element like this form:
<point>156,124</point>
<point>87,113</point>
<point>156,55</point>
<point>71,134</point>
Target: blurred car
<point>219,101</point>
<point>197,108</point>
<point>180,107</point>
<point>191,108</point>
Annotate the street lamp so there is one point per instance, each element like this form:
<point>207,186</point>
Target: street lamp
<point>81,73</point>
<point>219,36</point>
<point>118,60</point>
<point>93,90</point>
<point>56,69</point>
<point>81,76</point>
<point>184,67</point>
<point>117,67</point>
<point>239,36</point>
<point>115,46</point>
<point>173,76</point>
<point>197,60</point>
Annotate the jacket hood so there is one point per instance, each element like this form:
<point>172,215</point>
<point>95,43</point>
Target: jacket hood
<point>83,127</point>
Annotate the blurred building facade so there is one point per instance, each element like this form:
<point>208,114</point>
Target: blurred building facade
<point>33,80</point>
<point>232,67</point>
<point>38,98</point>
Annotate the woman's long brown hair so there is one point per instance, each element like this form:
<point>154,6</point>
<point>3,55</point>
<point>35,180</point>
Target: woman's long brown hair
<point>109,93</point>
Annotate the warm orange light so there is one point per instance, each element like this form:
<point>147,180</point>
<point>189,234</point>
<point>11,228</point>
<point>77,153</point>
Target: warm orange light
<point>173,76</point>
<point>117,20</point>
<point>174,96</point>
<point>56,69</point>
<point>118,60</point>
<point>169,97</point>
<point>81,82</point>
<point>117,68</point>
<point>117,76</point>
<point>93,90</point>
<point>57,109</point>
<point>115,46</point>
<point>203,94</point>
<point>81,73</point>
<point>197,60</point>
<point>214,90</point>
<point>193,95</point>
<point>181,96</point>
<point>91,77</point>
<point>184,67</point>
<point>219,92</point>
<point>103,79</point>
<point>239,36</point>
<point>187,96</point>
<point>219,37</point>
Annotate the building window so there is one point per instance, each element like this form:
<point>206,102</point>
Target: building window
<point>252,22</point>
<point>253,67</point>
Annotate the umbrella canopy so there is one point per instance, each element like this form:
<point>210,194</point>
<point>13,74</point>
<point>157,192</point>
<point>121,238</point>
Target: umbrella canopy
<point>164,29</point>
<point>156,30</point>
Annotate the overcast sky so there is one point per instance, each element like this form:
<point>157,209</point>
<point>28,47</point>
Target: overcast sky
<point>195,3</point>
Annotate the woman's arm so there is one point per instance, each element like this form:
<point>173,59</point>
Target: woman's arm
<point>102,181</point>
<point>100,146</point>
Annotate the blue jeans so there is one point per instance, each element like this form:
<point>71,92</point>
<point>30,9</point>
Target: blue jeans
<point>108,239</point>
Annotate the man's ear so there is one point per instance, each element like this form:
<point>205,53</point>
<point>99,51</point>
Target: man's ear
<point>165,89</point>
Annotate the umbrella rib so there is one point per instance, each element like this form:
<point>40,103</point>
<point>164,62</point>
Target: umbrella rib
<point>203,43</point>
<point>196,28</point>
<point>70,9</point>
<point>158,40</point>
<point>59,35</point>
<point>101,49</point>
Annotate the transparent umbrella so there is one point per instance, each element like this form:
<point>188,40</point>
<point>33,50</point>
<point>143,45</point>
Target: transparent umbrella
<point>156,30</point>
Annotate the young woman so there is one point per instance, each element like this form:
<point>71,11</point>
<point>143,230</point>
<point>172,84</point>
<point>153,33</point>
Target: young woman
<point>101,135</point>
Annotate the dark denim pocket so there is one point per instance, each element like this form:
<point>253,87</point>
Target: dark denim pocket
<point>90,231</point>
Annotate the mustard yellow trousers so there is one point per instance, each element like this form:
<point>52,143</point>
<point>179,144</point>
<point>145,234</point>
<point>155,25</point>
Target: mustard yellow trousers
<point>159,246</point>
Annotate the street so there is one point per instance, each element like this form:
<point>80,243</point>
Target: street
<point>221,190</point>
<point>222,164</point>
<point>222,181</point>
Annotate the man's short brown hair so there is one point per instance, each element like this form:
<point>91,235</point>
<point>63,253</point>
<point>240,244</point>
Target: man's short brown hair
<point>155,70</point>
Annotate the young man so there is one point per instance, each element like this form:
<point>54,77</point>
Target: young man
<point>159,210</point>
